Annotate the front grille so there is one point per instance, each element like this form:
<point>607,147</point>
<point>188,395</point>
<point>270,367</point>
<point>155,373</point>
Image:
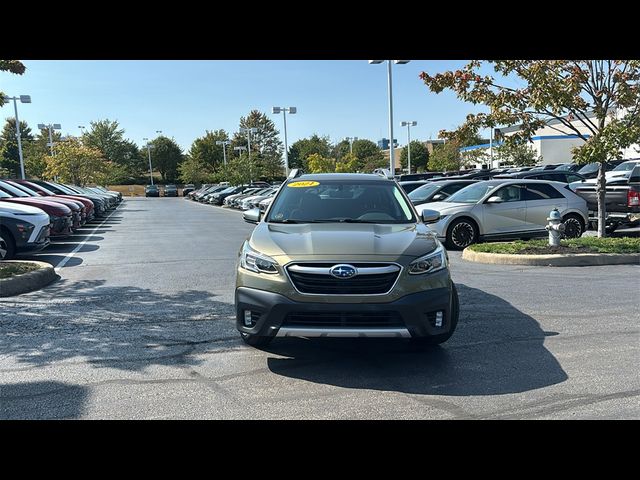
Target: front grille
<point>343,319</point>
<point>359,285</point>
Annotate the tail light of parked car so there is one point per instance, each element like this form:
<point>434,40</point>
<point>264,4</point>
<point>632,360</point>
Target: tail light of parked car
<point>633,198</point>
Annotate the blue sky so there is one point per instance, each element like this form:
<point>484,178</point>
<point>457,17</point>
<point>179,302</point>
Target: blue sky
<point>185,98</point>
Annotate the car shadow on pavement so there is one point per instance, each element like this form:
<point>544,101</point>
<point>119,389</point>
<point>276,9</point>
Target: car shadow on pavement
<point>42,400</point>
<point>127,328</point>
<point>495,350</point>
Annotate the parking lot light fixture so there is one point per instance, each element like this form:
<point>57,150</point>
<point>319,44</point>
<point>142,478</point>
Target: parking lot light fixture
<point>284,110</point>
<point>23,99</point>
<point>249,131</point>
<point>408,125</point>
<point>392,158</point>
<point>149,152</point>
<point>351,140</point>
<point>224,144</point>
<point>51,127</point>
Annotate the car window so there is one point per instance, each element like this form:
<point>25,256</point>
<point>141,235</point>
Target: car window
<point>510,193</point>
<point>423,193</point>
<point>453,188</point>
<point>573,178</point>
<point>541,191</point>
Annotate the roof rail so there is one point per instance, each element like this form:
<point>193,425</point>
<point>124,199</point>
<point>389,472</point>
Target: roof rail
<point>384,172</point>
<point>296,172</point>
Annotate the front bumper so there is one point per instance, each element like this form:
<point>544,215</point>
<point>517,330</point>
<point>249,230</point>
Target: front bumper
<point>272,311</point>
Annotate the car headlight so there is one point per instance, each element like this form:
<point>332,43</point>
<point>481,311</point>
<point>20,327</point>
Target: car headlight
<point>257,262</point>
<point>430,263</point>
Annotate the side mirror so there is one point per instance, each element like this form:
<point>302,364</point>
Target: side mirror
<point>438,196</point>
<point>252,216</point>
<point>494,199</point>
<point>430,216</point>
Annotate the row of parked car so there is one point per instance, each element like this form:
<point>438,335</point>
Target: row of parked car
<point>34,212</point>
<point>242,197</point>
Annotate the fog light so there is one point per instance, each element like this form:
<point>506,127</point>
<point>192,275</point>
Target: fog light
<point>247,318</point>
<point>439,316</point>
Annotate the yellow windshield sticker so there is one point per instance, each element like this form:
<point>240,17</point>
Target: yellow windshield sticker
<point>303,184</point>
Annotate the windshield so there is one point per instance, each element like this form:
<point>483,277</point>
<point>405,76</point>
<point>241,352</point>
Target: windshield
<point>625,166</point>
<point>357,201</point>
<point>33,192</point>
<point>589,168</point>
<point>422,193</point>
<point>228,190</point>
<point>11,189</point>
<point>471,194</point>
<point>66,189</point>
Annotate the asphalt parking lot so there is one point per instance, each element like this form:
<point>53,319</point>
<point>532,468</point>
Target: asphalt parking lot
<point>140,326</point>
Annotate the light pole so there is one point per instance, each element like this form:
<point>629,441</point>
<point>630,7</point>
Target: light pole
<point>224,144</point>
<point>249,131</point>
<point>51,127</point>
<point>351,140</point>
<point>82,129</point>
<point>284,111</point>
<point>409,125</point>
<point>149,152</point>
<point>23,99</point>
<point>392,158</point>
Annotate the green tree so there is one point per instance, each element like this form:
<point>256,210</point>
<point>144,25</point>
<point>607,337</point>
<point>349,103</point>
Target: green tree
<point>347,164</point>
<point>12,66</point>
<point>340,149</point>
<point>518,154</point>
<point>166,155</point>
<point>76,163</point>
<point>319,164</point>
<point>301,149</point>
<point>9,153</point>
<point>107,136</point>
<point>236,172</point>
<point>206,152</point>
<point>419,156</point>
<point>194,170</point>
<point>445,158</point>
<point>265,141</point>
<point>596,100</point>
<point>366,151</point>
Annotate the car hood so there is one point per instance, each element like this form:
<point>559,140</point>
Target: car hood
<point>343,239</point>
<point>19,209</point>
<point>445,208</point>
<point>52,208</point>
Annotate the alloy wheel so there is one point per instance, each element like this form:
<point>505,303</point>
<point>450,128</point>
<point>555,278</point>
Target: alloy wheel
<point>462,234</point>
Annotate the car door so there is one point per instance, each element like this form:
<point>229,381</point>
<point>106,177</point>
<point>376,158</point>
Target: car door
<point>507,216</point>
<point>541,198</point>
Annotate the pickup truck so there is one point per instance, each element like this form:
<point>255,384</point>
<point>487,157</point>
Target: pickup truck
<point>622,202</point>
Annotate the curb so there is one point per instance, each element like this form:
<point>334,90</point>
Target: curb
<point>555,260</point>
<point>27,282</point>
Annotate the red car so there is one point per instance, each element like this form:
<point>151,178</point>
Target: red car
<point>32,188</point>
<point>77,208</point>
<point>60,215</point>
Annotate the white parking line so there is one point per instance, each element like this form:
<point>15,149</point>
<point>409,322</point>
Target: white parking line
<point>70,255</point>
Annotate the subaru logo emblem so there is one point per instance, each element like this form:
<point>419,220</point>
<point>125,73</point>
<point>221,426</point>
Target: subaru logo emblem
<point>343,271</point>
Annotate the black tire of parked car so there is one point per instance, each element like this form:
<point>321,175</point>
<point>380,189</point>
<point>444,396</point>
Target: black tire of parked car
<point>461,233</point>
<point>573,226</point>
<point>7,245</point>
<point>438,339</point>
<point>255,340</point>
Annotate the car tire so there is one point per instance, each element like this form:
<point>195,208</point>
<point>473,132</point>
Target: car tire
<point>438,339</point>
<point>573,226</point>
<point>461,233</point>
<point>7,245</point>
<point>255,340</point>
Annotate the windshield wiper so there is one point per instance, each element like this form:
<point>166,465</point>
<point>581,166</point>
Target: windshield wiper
<point>287,220</point>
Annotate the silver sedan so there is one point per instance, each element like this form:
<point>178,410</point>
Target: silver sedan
<point>506,209</point>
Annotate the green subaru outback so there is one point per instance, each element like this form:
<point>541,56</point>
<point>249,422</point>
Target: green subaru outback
<point>343,255</point>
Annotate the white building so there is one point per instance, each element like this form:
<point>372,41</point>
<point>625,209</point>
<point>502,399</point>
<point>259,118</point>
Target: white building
<point>553,144</point>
